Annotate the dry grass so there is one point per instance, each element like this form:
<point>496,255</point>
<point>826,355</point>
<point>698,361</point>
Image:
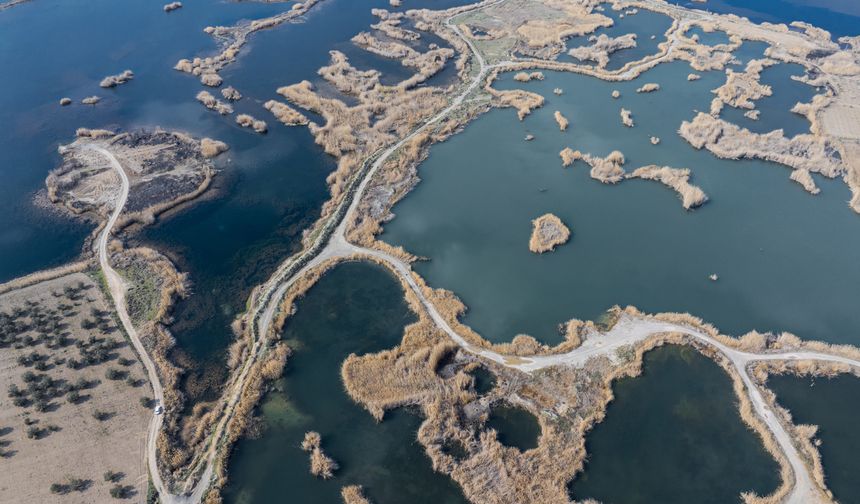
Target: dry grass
<point>804,178</point>
<point>285,113</point>
<point>211,79</point>
<point>548,232</point>
<point>741,89</point>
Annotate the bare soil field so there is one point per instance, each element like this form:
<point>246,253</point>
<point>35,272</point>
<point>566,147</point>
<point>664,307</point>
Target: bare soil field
<point>74,404</point>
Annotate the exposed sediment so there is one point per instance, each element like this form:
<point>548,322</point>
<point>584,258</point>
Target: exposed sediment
<point>548,232</point>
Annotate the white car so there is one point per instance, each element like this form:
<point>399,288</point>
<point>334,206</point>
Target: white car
<point>159,409</point>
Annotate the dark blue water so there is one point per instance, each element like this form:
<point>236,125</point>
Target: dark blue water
<point>829,403</point>
<point>671,439</point>
<point>356,307</point>
<point>840,17</point>
<point>269,187</point>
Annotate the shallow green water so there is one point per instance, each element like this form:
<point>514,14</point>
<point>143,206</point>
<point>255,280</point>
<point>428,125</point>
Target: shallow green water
<point>357,307</point>
<point>832,405</point>
<point>515,426</point>
<point>786,260</point>
<point>673,435</point>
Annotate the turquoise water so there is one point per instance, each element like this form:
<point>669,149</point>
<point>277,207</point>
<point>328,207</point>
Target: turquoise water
<point>357,307</point>
<point>840,17</point>
<point>671,439</point>
<point>779,267</point>
<point>515,426</point>
<point>830,404</point>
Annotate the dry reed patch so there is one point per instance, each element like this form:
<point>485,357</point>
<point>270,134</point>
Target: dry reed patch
<point>548,232</point>
<point>607,170</point>
<point>648,88</point>
<point>115,80</point>
<point>601,47</point>
<point>626,118</point>
<point>248,121</point>
<point>726,140</point>
<point>353,494</point>
<point>322,466</point>
<point>210,148</point>
<point>674,178</point>
<point>212,103</point>
<point>569,156</point>
<point>561,120</point>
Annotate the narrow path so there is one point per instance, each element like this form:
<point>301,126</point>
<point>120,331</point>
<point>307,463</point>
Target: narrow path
<point>117,288</point>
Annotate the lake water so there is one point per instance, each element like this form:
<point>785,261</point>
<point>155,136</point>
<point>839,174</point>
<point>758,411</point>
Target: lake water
<point>785,259</point>
<point>270,187</point>
<point>357,307</point>
<point>671,439</point>
<point>830,404</point>
<point>840,17</point>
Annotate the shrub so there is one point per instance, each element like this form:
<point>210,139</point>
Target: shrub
<point>115,374</point>
<point>73,396</point>
<point>113,476</point>
<point>120,491</point>
<point>59,488</point>
<point>101,416</point>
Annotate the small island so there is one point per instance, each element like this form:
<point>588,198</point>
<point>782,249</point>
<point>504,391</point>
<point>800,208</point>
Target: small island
<point>548,232</point>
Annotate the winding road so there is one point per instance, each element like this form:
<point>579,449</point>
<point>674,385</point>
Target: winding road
<point>334,245</point>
